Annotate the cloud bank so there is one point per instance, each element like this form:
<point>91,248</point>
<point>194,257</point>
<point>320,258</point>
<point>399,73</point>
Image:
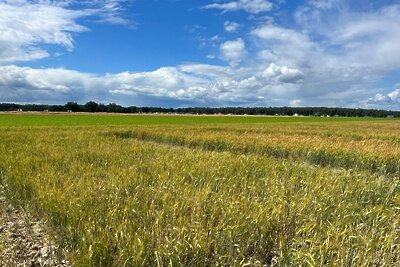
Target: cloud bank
<point>332,55</point>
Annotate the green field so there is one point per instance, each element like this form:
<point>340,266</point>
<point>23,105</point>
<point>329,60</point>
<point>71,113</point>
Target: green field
<point>209,190</point>
<point>85,120</point>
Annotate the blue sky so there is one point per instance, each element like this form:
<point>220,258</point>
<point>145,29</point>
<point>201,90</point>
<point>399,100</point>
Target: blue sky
<point>201,53</point>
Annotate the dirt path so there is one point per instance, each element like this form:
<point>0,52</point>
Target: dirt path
<point>23,240</point>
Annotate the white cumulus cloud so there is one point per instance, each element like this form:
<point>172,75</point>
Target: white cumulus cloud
<point>233,51</point>
<point>283,74</point>
<point>195,84</point>
<point>390,98</point>
<point>231,26</point>
<point>25,26</point>
<point>250,6</point>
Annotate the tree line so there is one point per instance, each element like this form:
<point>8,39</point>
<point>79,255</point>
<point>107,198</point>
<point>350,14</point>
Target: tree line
<point>92,106</point>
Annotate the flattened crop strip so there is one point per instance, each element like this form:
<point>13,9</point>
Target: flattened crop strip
<point>321,157</point>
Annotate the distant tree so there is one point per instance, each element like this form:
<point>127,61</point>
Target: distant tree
<point>73,106</point>
<point>91,106</point>
<point>56,108</point>
<point>112,107</point>
<point>101,108</point>
<point>132,109</point>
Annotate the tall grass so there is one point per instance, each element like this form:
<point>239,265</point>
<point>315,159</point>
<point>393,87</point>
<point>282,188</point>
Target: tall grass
<point>114,200</point>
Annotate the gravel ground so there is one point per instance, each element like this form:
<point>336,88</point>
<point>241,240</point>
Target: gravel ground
<point>24,240</point>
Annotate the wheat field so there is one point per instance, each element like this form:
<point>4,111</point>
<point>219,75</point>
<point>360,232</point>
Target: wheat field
<point>308,193</point>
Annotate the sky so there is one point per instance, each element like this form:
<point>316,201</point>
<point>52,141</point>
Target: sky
<point>183,53</point>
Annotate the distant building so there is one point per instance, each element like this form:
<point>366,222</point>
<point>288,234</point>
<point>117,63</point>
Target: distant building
<point>390,116</point>
<point>295,115</point>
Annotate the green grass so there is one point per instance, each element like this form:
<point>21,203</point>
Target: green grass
<point>15,120</point>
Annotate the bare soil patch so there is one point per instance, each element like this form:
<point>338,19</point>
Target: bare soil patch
<point>24,240</point>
